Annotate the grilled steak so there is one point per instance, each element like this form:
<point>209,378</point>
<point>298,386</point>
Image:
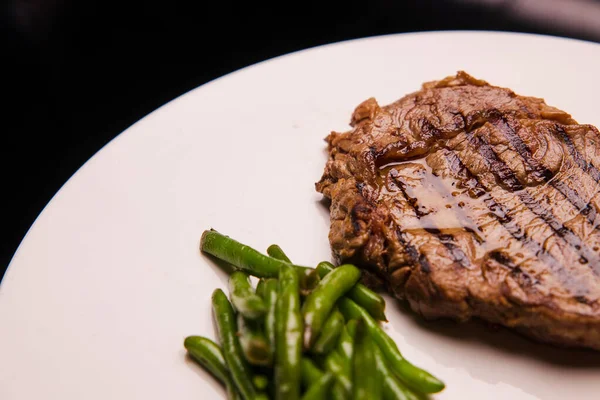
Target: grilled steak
<point>468,200</point>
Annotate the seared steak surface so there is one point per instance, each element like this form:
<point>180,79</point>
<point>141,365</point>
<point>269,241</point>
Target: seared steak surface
<point>468,200</point>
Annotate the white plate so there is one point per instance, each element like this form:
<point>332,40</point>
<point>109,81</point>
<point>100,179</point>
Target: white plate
<point>109,280</point>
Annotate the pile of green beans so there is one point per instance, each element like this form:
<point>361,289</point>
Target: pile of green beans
<point>302,333</point>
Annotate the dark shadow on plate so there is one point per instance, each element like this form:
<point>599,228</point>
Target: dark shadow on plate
<point>222,265</point>
<point>325,202</point>
<point>204,375</point>
<point>322,206</point>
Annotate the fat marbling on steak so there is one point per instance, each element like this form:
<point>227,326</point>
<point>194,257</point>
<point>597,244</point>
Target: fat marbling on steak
<point>468,200</point>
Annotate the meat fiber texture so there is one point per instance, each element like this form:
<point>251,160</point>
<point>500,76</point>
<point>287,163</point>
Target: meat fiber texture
<point>468,200</point>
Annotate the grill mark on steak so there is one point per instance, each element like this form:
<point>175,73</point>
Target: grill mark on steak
<point>559,266</point>
<point>587,167</point>
<point>516,272</point>
<point>505,174</point>
<point>465,177</point>
<point>460,171</point>
<point>589,211</point>
<point>557,263</point>
<point>413,253</point>
<point>425,266</point>
<point>458,255</point>
<point>457,252</point>
<point>500,122</point>
<point>501,214</point>
<point>506,177</point>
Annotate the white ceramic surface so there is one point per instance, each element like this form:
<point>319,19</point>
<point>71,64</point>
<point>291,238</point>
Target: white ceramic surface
<point>109,280</point>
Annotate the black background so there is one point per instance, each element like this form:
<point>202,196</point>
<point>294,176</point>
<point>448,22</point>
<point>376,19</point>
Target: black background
<point>76,74</point>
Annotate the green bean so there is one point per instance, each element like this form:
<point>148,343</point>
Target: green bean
<point>325,267</point>
<point>309,277</point>
<point>392,387</point>
<point>288,336</point>
<point>270,296</point>
<point>232,351</point>
<point>254,342</point>
<point>319,390</point>
<point>260,382</point>
<point>335,365</point>
<point>345,345</point>
<point>394,390</point>
<point>310,372</point>
<point>241,256</point>
<point>366,378</point>
<point>329,334</point>
<point>208,354</point>
<point>260,289</point>
<point>362,295</point>
<point>415,377</point>
<point>243,298</point>
<point>309,281</point>
<point>338,392</point>
<point>276,252</point>
<point>408,393</point>
<point>346,341</point>
<point>351,326</point>
<point>319,303</point>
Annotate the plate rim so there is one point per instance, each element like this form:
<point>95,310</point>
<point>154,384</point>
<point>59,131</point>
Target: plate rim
<point>249,67</point>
